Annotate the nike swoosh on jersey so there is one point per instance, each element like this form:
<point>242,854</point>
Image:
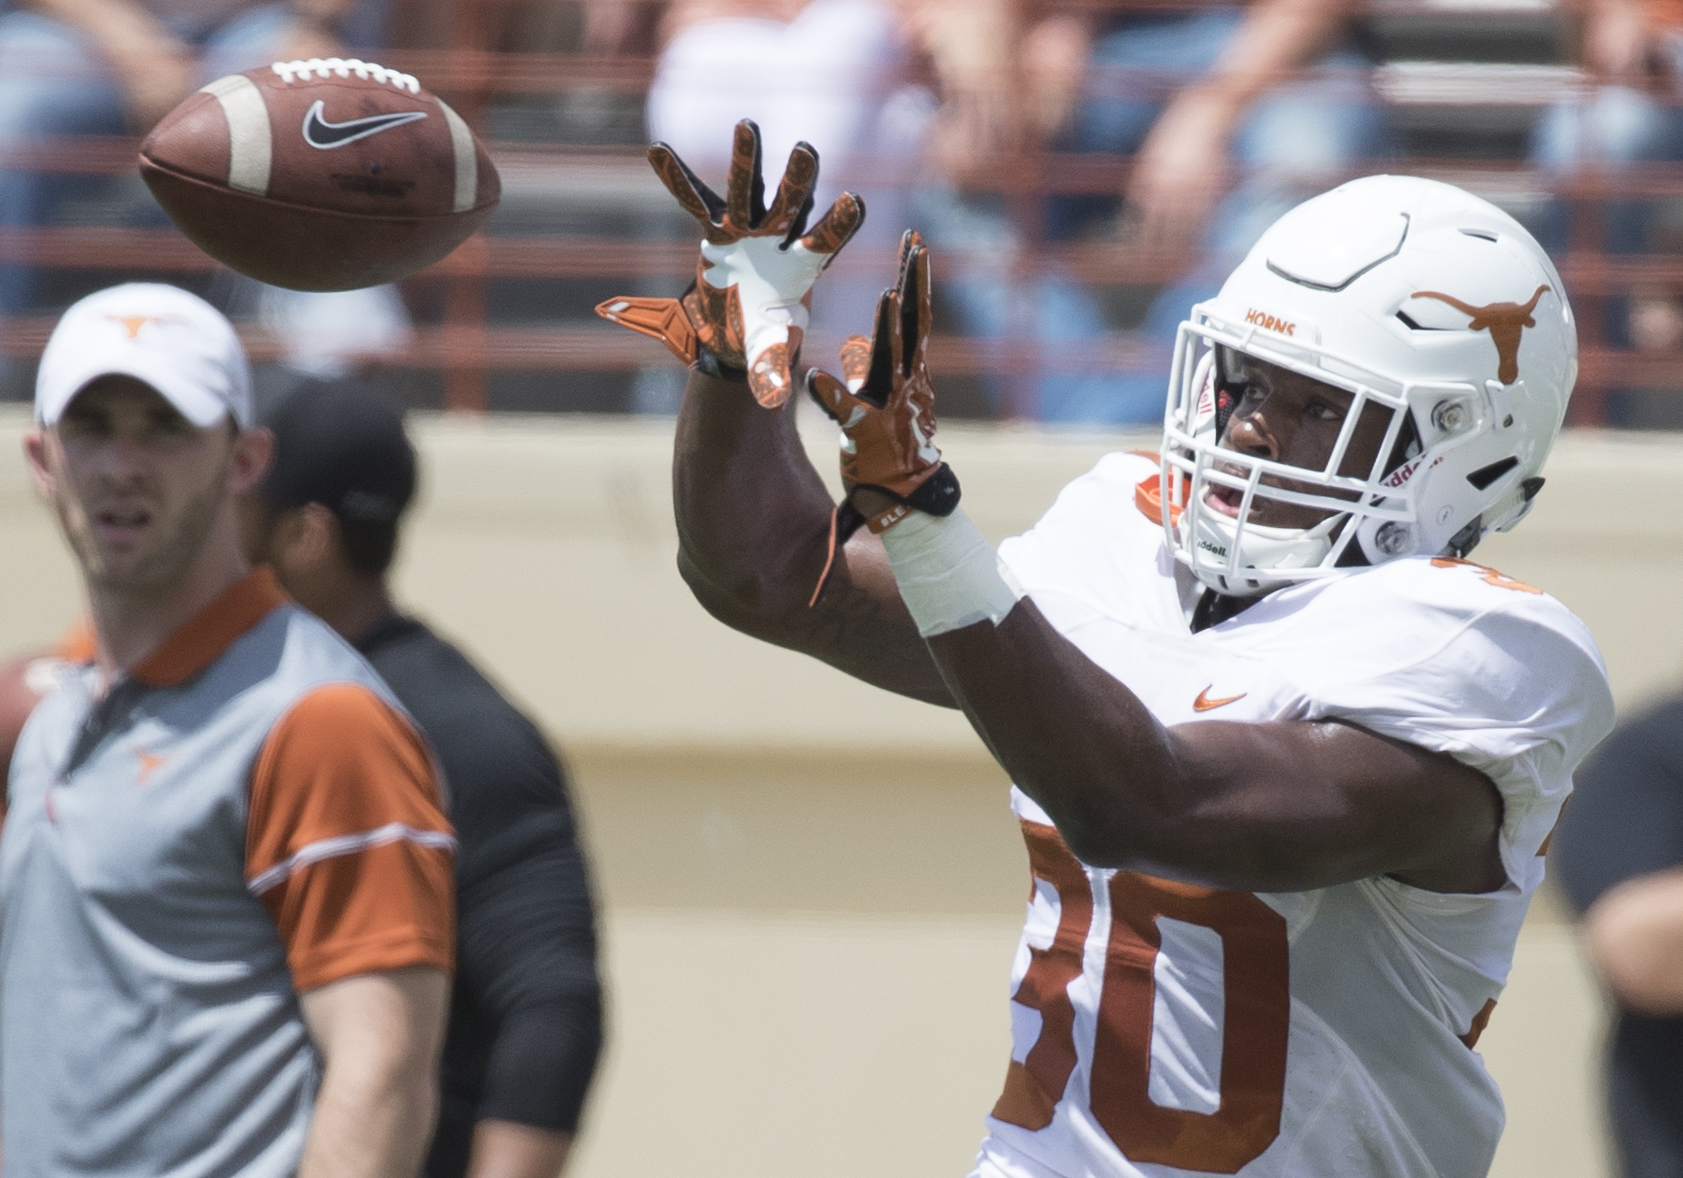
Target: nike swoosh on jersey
<point>1204,703</point>
<point>318,132</point>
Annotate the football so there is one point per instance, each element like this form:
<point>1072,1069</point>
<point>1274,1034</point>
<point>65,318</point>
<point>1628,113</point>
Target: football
<point>326,174</point>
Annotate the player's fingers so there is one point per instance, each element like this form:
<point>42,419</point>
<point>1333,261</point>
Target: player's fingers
<point>794,193</point>
<point>829,394</point>
<point>700,201</point>
<point>769,377</point>
<point>903,258</point>
<point>838,225</point>
<point>879,378</point>
<point>745,192</point>
<point>919,306</point>
<point>855,360</point>
<point>661,319</point>
<point>911,305</point>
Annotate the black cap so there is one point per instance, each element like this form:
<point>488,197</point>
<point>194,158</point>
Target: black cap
<point>338,446</point>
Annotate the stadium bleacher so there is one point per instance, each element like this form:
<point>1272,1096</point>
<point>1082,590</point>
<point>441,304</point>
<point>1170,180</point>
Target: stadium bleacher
<point>506,323</point>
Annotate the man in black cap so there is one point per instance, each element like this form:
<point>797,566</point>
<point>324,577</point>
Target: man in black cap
<point>525,1022</point>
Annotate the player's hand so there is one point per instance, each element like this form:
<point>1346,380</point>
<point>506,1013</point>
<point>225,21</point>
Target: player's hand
<point>748,308</point>
<point>886,406</point>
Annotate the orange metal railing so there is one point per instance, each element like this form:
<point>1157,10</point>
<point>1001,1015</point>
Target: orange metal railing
<point>467,345</point>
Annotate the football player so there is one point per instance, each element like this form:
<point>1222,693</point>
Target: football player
<point>1285,760</point>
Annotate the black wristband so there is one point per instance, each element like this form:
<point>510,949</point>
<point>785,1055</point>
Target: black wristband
<point>938,495</point>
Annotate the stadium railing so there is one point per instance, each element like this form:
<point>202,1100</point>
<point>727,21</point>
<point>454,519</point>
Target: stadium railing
<point>505,322</point>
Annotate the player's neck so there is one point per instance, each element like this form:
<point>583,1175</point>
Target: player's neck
<point>131,622</point>
<point>1215,608</point>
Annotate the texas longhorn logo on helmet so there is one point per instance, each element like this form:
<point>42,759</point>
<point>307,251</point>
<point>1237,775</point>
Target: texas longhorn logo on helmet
<point>1505,322</point>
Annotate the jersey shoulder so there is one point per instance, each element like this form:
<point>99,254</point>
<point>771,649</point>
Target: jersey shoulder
<point>1459,659</point>
<point>1405,611</point>
<point>1100,544</point>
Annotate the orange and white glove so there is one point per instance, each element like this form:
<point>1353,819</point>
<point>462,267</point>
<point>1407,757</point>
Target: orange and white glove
<point>949,575</point>
<point>886,407</point>
<point>746,312</point>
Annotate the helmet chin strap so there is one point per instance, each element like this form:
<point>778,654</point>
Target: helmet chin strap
<point>1214,536</point>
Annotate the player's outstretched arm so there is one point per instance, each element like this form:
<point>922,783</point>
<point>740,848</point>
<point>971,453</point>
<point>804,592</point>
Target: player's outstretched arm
<point>754,519</point>
<point>1279,806</point>
<point>1254,807</point>
<point>754,544</point>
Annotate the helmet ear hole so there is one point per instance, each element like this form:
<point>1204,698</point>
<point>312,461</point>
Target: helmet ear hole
<point>1485,475</point>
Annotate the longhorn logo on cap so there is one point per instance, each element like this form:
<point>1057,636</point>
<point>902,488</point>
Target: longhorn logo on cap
<point>133,323</point>
<point>1505,322</point>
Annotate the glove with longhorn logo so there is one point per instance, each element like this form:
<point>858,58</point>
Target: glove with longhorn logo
<point>886,409</point>
<point>745,314</point>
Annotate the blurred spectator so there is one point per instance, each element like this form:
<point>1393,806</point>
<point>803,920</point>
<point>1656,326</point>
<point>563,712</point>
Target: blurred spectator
<point>525,1012</point>
<point>1232,114</point>
<point>1632,51</point>
<point>1187,90</point>
<point>1620,856</point>
<point>103,67</point>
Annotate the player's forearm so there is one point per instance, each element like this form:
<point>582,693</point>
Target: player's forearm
<point>753,515</point>
<point>1635,936</point>
<point>753,535</point>
<point>1074,739</point>
<point>1282,806</point>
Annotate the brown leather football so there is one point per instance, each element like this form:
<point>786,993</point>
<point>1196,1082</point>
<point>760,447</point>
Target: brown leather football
<point>320,175</point>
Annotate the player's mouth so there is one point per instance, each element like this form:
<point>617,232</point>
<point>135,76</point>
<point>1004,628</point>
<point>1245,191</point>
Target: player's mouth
<point>1228,500</point>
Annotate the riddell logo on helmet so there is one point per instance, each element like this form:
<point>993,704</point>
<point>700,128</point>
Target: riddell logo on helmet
<point>1403,473</point>
<point>1270,322</point>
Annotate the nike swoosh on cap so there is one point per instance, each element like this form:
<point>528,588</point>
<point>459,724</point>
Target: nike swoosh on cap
<point>1204,703</point>
<point>318,132</point>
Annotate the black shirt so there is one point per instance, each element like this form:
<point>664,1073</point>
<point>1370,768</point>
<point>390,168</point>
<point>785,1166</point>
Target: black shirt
<point>1626,820</point>
<point>526,1012</point>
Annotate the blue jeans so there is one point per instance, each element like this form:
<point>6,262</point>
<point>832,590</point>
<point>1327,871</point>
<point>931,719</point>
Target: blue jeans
<point>53,84</point>
<point>1294,142</point>
<point>1616,128</point>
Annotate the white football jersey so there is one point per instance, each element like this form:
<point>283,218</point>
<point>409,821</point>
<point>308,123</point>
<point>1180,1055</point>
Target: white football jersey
<point>1164,1029</point>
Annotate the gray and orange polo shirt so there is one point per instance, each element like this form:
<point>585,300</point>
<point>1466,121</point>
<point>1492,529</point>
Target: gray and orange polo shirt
<point>246,815</point>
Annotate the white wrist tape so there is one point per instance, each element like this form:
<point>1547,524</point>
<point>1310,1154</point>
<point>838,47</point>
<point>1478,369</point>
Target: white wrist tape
<point>950,576</point>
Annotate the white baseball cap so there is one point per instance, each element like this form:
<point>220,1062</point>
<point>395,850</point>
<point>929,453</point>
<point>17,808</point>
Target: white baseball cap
<point>174,341</point>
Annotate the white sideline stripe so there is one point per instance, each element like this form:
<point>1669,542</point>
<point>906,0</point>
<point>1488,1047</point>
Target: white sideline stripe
<point>347,844</point>
<point>467,160</point>
<point>249,147</point>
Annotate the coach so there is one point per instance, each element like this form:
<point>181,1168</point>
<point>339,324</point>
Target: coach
<point>526,1018</point>
<point>225,871</point>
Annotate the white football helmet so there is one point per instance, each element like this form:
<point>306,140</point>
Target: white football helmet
<point>1434,309</point>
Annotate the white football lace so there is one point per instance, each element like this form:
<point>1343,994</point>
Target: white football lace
<point>344,67</point>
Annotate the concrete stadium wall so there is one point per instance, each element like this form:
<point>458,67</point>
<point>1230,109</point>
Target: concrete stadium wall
<point>811,888</point>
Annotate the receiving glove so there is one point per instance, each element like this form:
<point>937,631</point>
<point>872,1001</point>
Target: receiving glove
<point>886,409</point>
<point>745,314</point>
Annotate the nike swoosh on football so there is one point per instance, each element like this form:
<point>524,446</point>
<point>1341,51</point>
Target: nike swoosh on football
<point>1204,703</point>
<point>318,132</point>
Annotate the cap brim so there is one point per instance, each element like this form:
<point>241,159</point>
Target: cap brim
<point>192,401</point>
